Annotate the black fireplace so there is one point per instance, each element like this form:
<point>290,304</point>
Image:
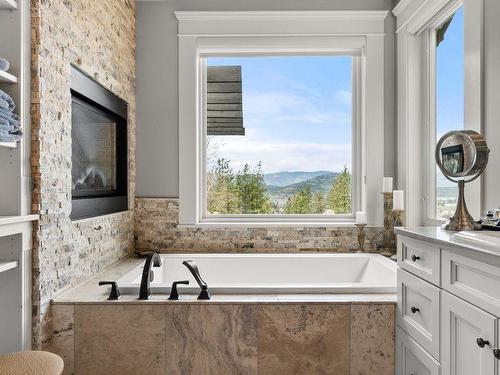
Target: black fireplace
<point>99,149</point>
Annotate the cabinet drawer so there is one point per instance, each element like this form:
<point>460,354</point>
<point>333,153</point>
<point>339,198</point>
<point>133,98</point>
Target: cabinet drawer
<point>418,311</point>
<point>411,358</point>
<point>419,258</point>
<point>472,280</point>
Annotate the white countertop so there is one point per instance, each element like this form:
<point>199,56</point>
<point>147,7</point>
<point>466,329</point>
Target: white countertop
<point>481,245</point>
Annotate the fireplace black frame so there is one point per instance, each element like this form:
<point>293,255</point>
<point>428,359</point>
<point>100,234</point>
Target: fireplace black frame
<point>87,92</point>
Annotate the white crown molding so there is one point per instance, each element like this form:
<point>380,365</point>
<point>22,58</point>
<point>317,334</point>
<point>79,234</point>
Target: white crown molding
<point>401,7</point>
<point>291,14</point>
<point>414,15</point>
<point>281,23</point>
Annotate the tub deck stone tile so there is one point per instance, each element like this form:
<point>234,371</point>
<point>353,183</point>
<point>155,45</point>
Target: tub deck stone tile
<point>303,339</point>
<point>211,339</point>
<point>120,339</point>
<point>372,339</point>
<point>62,338</point>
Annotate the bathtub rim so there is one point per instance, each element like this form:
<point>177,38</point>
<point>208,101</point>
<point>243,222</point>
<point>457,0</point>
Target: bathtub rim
<point>327,288</point>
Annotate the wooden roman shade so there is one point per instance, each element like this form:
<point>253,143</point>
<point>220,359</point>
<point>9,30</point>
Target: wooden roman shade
<point>224,101</point>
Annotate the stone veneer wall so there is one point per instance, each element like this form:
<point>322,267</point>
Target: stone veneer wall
<point>99,37</point>
<point>156,228</point>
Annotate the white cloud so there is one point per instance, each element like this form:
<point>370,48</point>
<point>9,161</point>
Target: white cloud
<point>343,97</point>
<point>283,156</point>
<point>289,107</point>
<point>295,107</point>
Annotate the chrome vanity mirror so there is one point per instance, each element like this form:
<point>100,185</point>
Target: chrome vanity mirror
<point>462,157</point>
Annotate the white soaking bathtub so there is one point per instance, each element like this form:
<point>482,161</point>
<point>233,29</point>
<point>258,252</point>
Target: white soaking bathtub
<point>271,274</point>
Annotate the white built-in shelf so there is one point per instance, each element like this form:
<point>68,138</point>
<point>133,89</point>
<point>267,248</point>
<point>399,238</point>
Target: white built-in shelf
<point>7,77</point>
<point>8,4</point>
<point>8,144</point>
<point>6,220</point>
<point>5,266</point>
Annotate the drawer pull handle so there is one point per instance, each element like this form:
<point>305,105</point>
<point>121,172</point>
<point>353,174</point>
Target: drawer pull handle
<point>481,343</point>
<point>415,258</point>
<point>414,309</point>
<point>496,353</point>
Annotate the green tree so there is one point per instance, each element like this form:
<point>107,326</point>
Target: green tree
<point>300,202</point>
<point>318,203</point>
<point>252,194</point>
<point>339,198</point>
<point>222,194</point>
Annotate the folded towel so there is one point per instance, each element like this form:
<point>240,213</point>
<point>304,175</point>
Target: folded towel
<point>7,128</point>
<point>9,138</point>
<point>6,136</point>
<point>4,104</point>
<point>4,64</point>
<point>6,97</point>
<point>4,122</point>
<point>12,118</point>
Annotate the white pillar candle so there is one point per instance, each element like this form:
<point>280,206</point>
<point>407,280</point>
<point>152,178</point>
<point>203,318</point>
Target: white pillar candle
<point>387,185</point>
<point>360,217</point>
<point>398,199</point>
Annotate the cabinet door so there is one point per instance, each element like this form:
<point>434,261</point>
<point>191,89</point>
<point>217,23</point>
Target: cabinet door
<point>411,358</point>
<point>467,338</point>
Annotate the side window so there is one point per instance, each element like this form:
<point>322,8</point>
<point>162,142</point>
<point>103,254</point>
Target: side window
<point>449,101</point>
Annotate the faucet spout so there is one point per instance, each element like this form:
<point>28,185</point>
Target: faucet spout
<point>147,275</point>
<point>193,268</point>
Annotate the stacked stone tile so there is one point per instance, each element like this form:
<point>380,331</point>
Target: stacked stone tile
<point>98,37</point>
<point>156,226</point>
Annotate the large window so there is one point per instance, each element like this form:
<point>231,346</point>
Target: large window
<point>279,135</point>
<point>281,117</point>
<point>449,101</point>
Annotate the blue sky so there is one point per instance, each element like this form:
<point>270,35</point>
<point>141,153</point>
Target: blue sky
<point>450,77</point>
<point>297,113</point>
<point>450,83</point>
<point>297,110</point>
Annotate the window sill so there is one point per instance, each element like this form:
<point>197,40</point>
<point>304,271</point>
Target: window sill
<point>241,224</point>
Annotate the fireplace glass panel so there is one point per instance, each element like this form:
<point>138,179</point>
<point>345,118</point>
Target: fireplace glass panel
<point>94,150</point>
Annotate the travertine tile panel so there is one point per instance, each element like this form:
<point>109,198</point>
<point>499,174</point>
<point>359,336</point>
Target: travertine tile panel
<point>62,340</point>
<point>372,339</point>
<point>211,339</point>
<point>120,339</point>
<point>303,339</point>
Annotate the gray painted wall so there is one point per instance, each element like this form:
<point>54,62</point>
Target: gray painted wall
<point>157,84</point>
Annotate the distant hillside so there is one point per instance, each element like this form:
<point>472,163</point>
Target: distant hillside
<point>320,183</point>
<point>288,178</point>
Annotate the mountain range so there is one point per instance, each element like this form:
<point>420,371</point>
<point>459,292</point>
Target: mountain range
<point>287,178</point>
<point>282,185</point>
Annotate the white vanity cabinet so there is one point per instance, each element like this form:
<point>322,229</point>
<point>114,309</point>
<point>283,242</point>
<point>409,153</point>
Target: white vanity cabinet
<point>468,338</point>
<point>448,306</point>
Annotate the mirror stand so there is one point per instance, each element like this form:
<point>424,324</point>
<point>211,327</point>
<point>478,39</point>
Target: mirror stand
<point>462,219</point>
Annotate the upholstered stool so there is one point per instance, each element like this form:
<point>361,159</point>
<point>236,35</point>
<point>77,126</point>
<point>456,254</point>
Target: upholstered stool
<point>31,363</point>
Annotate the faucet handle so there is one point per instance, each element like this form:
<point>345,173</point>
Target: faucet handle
<point>115,292</point>
<point>174,295</point>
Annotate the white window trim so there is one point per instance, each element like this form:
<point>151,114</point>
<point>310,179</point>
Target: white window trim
<point>358,33</point>
<point>416,20</point>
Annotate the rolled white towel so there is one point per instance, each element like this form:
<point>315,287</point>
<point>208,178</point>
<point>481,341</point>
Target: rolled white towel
<point>4,64</point>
